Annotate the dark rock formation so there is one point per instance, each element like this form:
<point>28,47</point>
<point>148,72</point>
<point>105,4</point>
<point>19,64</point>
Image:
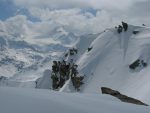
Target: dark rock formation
<point>119,29</point>
<point>137,63</point>
<point>90,48</point>
<point>135,32</point>
<point>65,70</point>
<point>125,26</point>
<point>121,97</point>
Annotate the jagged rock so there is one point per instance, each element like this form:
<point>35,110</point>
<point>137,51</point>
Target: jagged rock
<point>137,63</point>
<point>73,51</point>
<point>135,32</point>
<point>143,25</point>
<point>90,48</point>
<point>65,69</point>
<point>125,26</point>
<point>119,29</point>
<point>121,97</point>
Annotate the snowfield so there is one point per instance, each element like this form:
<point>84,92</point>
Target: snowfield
<point>16,100</point>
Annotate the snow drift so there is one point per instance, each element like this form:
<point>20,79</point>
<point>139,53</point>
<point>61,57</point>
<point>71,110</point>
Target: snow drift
<point>16,100</point>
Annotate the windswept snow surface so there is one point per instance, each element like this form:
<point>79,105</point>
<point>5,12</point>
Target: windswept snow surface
<point>107,64</point>
<point>16,100</point>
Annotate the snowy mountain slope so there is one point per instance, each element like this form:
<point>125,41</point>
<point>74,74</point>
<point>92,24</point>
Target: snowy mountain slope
<point>18,100</point>
<point>25,56</point>
<point>24,61</point>
<point>81,45</point>
<point>107,64</point>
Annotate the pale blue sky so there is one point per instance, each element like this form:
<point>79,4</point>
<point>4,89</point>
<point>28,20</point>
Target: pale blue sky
<point>7,9</point>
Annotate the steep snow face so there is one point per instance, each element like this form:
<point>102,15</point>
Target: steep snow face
<point>107,63</point>
<point>16,100</point>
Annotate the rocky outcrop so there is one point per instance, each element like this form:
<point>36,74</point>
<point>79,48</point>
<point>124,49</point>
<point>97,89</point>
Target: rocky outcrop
<point>137,64</point>
<point>121,97</point>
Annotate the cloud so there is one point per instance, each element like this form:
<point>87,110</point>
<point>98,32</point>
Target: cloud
<point>140,8</point>
<point>113,4</point>
<point>53,3</point>
<point>74,18</point>
<point>130,10</point>
<point>64,4</point>
<point>137,13</point>
<point>7,9</point>
<point>46,14</point>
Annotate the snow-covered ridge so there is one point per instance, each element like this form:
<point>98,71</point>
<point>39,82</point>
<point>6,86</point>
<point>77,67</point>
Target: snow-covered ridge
<point>107,63</point>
